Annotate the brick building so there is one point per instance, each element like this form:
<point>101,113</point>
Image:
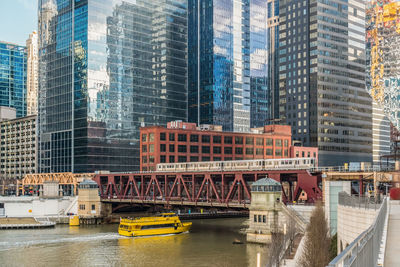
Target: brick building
<point>184,142</point>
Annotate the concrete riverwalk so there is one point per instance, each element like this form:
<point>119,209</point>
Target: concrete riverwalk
<point>392,253</point>
<point>24,223</point>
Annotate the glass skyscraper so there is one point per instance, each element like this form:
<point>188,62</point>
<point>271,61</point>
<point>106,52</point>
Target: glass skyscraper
<point>107,67</point>
<point>383,56</point>
<point>322,78</point>
<point>13,77</point>
<point>230,49</point>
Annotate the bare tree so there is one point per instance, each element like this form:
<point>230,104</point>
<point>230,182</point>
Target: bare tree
<point>316,247</point>
<point>275,249</point>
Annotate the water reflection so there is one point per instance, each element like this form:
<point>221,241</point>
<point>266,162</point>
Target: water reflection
<point>208,244</point>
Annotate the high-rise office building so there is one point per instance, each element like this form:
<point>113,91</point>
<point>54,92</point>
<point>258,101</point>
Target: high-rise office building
<point>231,44</point>
<point>32,73</point>
<point>322,78</point>
<point>106,68</point>
<point>13,77</point>
<point>380,134</point>
<point>383,56</point>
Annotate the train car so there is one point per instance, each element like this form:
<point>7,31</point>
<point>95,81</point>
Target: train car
<point>237,165</point>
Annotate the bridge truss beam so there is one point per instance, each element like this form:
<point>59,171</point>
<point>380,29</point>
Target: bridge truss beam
<point>221,188</point>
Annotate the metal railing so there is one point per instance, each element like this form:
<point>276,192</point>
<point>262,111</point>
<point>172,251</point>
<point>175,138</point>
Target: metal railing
<point>375,168</point>
<point>359,201</point>
<point>364,250</point>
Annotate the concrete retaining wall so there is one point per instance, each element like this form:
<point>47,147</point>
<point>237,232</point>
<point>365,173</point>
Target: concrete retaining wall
<point>351,223</point>
<point>38,207</point>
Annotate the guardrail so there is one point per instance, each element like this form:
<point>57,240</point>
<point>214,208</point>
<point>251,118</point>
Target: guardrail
<point>352,169</point>
<point>364,250</point>
<point>359,201</point>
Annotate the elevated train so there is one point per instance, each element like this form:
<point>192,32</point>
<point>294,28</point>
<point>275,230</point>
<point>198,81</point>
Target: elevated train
<point>239,165</point>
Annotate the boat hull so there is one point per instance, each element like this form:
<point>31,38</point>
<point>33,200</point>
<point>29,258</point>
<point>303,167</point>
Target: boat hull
<point>161,231</point>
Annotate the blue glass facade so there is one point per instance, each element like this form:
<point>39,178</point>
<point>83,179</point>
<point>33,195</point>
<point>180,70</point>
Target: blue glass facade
<point>229,74</point>
<point>106,69</point>
<point>13,77</point>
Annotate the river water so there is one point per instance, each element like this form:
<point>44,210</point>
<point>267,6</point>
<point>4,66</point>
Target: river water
<point>209,243</point>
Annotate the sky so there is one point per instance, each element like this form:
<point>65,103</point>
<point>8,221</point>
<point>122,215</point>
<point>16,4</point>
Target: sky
<point>18,18</point>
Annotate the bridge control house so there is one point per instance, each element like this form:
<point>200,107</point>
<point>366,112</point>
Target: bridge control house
<point>185,142</point>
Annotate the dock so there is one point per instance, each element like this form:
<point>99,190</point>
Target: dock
<point>24,223</point>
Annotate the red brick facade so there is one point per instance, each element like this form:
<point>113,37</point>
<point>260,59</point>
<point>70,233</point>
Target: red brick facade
<point>183,142</point>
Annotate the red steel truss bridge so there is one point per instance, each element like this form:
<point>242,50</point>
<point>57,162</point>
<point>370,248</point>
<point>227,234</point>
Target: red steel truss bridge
<point>204,189</point>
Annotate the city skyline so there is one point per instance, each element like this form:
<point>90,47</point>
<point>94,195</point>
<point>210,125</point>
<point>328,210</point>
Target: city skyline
<point>247,78</point>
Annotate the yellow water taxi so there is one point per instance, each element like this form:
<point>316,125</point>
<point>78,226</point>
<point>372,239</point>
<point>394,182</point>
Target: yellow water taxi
<point>167,223</point>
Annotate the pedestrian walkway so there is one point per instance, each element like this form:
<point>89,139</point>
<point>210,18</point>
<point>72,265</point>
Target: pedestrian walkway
<point>392,258</point>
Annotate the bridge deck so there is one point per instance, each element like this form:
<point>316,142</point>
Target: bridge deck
<point>392,258</point>
<point>179,203</point>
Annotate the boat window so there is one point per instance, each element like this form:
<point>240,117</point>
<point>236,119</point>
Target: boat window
<point>156,226</point>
